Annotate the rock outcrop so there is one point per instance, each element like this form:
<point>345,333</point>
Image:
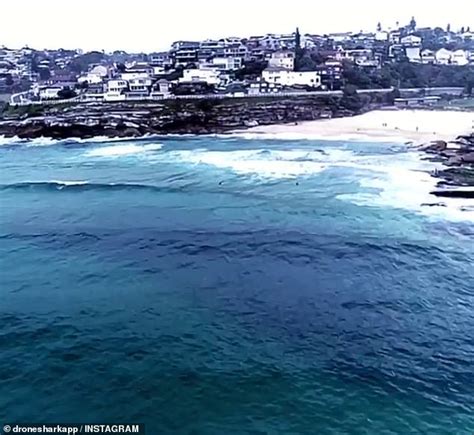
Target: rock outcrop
<point>195,116</point>
<point>459,162</point>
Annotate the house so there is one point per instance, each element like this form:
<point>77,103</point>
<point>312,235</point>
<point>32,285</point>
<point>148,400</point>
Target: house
<point>90,77</point>
<point>162,88</point>
<point>413,54</point>
<point>137,70</point>
<point>411,41</point>
<point>282,59</point>
<point>270,42</point>
<point>358,54</point>
<point>396,52</point>
<point>162,59</point>
<point>443,56</point>
<point>381,36</point>
<point>416,101</point>
<point>50,92</point>
<point>100,70</point>
<point>428,56</point>
<point>284,77</point>
<point>460,57</point>
<point>184,52</point>
<point>94,91</point>
<point>115,90</point>
<point>236,50</point>
<point>158,71</point>
<point>331,74</point>
<point>227,63</point>
<point>178,45</point>
<point>63,79</point>
<point>211,76</point>
<point>261,87</point>
<point>139,84</point>
<point>340,37</point>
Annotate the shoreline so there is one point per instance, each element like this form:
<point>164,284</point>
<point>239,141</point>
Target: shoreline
<point>418,126</point>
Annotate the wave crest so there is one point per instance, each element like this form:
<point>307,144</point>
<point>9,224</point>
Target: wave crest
<point>55,185</point>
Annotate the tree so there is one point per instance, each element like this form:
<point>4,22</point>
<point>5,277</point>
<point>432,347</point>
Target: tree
<point>297,39</point>
<point>448,28</point>
<point>351,99</point>
<point>83,85</point>
<point>412,25</point>
<point>66,93</point>
<point>379,27</point>
<point>469,85</point>
<point>251,69</point>
<point>298,49</point>
<point>44,73</point>
<point>81,63</point>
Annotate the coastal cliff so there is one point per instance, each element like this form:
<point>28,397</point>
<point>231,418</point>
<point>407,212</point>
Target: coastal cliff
<point>182,116</point>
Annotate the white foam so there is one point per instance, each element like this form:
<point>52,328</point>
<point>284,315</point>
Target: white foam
<point>401,180</point>
<point>69,183</point>
<point>46,141</point>
<point>262,163</point>
<point>404,181</point>
<point>122,150</point>
<point>291,136</point>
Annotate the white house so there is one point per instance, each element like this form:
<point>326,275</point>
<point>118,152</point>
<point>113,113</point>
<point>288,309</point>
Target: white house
<point>356,54</point>
<point>90,78</point>
<point>381,36</point>
<point>158,70</point>
<point>100,70</point>
<point>428,56</point>
<point>116,85</point>
<point>413,54</point>
<point>49,93</point>
<point>139,84</point>
<point>129,75</point>
<point>207,75</point>
<point>282,59</point>
<point>340,37</point>
<point>227,63</point>
<point>284,77</point>
<point>115,90</point>
<point>443,56</point>
<point>411,41</point>
<point>161,88</point>
<point>460,57</point>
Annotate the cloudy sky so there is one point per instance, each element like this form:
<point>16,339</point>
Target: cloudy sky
<point>148,25</point>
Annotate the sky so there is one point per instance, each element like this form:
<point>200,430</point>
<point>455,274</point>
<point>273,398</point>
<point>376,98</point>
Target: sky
<point>152,25</point>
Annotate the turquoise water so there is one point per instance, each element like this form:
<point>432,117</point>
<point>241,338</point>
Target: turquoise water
<point>238,285</point>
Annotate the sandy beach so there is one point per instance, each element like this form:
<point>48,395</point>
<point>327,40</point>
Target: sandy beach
<point>418,126</point>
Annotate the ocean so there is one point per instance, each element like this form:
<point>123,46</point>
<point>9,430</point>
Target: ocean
<point>241,284</point>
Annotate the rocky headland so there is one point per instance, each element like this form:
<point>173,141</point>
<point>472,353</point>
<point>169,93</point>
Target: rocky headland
<point>458,159</point>
<point>180,116</point>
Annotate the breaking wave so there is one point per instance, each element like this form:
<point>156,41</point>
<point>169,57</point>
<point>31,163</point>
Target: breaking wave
<point>400,180</point>
<point>46,141</point>
<point>261,162</point>
<point>78,186</point>
<point>122,150</point>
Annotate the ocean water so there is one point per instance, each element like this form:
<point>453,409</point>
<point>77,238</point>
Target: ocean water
<point>234,285</point>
